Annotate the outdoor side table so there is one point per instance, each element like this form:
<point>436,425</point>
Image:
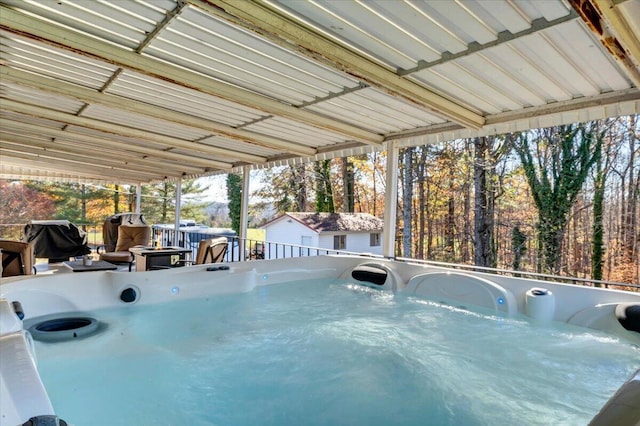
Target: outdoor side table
<point>96,265</point>
<point>148,258</point>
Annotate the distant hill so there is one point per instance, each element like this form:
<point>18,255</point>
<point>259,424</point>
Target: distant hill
<point>218,214</point>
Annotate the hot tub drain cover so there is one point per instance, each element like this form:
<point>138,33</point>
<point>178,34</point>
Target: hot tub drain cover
<point>60,329</point>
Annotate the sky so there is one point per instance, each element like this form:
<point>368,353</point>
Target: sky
<point>217,191</point>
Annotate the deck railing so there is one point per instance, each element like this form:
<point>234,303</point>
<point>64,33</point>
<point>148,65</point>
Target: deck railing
<point>245,249</point>
<point>242,249</point>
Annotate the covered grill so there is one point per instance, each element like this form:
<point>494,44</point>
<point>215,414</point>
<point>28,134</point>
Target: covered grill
<point>56,240</point>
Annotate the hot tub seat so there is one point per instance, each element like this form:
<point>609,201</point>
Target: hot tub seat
<point>463,289</point>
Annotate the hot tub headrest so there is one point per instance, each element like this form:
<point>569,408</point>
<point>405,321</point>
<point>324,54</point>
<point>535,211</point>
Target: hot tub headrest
<point>628,314</point>
<point>375,275</point>
<point>370,274</point>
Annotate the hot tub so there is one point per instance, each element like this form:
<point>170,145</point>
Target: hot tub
<point>323,340</point>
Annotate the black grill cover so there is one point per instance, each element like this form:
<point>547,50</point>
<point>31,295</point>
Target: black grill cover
<point>56,240</point>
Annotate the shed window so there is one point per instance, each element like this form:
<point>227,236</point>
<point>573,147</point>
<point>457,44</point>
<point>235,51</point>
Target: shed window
<point>374,239</point>
<point>339,242</point>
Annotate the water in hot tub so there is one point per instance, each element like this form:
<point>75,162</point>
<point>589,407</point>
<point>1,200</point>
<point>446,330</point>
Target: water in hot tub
<point>329,353</point>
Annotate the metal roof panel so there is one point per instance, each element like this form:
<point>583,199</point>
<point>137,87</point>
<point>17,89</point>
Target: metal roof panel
<point>174,97</point>
<point>238,145</point>
<point>50,61</point>
<point>363,107</point>
<point>142,122</point>
<point>200,42</point>
<point>584,53</point>
<point>293,131</point>
<point>36,97</point>
<point>549,10</point>
<point>301,80</point>
<point>125,22</point>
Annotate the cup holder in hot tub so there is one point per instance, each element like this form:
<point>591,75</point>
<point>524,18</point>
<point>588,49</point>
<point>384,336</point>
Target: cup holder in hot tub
<point>63,328</point>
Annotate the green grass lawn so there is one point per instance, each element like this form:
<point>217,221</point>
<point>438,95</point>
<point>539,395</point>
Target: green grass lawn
<point>256,234</point>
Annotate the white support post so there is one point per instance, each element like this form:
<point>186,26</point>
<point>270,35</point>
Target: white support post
<point>244,210</point>
<point>138,196</point>
<point>176,226</point>
<point>390,200</point>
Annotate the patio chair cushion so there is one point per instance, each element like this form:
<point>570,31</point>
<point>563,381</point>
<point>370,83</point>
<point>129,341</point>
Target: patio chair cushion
<point>128,237</point>
<point>17,258</point>
<point>117,257</point>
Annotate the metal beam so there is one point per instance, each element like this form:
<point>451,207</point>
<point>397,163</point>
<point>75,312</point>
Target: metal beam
<point>22,173</point>
<point>612,98</point>
<point>244,211</point>
<point>44,171</point>
<point>133,161</point>
<point>35,168</point>
<point>129,132</point>
<point>52,163</point>
<point>503,37</point>
<point>104,143</point>
<point>113,101</point>
<point>178,207</point>
<point>261,17</point>
<point>603,100</point>
<point>44,31</point>
<point>390,201</point>
<point>10,149</point>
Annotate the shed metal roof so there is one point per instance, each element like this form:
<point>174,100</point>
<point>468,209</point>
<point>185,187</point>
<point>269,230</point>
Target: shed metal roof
<point>333,222</point>
<point>138,91</point>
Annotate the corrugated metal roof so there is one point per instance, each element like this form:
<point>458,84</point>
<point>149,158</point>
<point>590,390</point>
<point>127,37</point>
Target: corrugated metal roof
<point>170,88</point>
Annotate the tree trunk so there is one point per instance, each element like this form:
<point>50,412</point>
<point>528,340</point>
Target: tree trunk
<point>518,245</point>
<point>116,199</point>
<point>83,211</point>
<point>484,209</point>
<point>407,197</point>
<point>597,256</point>
<point>374,180</point>
<point>165,202</point>
<point>324,191</point>
<point>429,220</point>
<point>450,230</point>
<point>467,227</point>
<point>348,184</point>
<point>300,185</point>
<point>421,170</point>
<point>629,238</point>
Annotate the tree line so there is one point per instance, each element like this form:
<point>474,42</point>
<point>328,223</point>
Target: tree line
<point>560,200</point>
<point>85,204</point>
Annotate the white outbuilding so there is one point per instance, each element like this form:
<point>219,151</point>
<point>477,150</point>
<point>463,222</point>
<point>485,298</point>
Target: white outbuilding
<point>354,232</point>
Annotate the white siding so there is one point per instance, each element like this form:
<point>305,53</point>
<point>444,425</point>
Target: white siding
<point>356,242</point>
<point>290,232</point>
